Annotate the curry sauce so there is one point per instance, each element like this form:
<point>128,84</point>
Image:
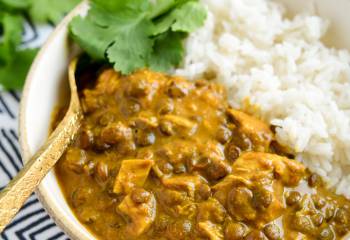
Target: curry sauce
<point>160,157</point>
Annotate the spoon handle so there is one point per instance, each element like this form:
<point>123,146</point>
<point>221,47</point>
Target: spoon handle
<point>20,188</point>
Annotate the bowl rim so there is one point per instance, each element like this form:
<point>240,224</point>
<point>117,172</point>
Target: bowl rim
<point>42,193</point>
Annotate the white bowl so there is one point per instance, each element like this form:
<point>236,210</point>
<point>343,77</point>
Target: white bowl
<point>46,85</point>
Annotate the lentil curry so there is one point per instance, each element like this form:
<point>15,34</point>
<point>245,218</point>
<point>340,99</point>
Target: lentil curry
<point>159,157</point>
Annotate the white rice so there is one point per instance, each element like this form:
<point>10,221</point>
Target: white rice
<point>282,66</point>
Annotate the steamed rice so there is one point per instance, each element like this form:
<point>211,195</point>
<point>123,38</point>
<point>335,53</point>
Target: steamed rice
<point>281,65</point>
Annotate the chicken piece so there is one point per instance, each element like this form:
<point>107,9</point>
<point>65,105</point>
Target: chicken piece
<point>145,120</point>
<point>179,121</point>
<point>235,193</point>
<point>258,131</point>
<point>224,186</point>
<point>169,197</point>
<point>253,192</point>
<point>211,230</point>
<point>108,81</point>
<point>246,202</point>
<point>142,215</point>
<point>240,204</point>
<point>181,204</point>
<point>231,181</point>
<point>133,173</point>
<point>251,165</point>
<point>211,210</point>
<point>183,183</point>
<point>179,125</point>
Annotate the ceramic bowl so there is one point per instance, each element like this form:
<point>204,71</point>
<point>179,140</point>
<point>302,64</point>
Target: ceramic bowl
<point>47,85</point>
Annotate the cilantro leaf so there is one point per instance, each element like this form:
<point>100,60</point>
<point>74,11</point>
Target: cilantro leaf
<point>15,4</point>
<point>12,27</point>
<point>130,55</point>
<point>168,51</point>
<point>120,6</point>
<point>14,61</point>
<point>178,19</point>
<point>99,38</point>
<point>183,22</point>
<point>13,73</point>
<point>133,34</point>
<point>50,10</point>
<point>104,29</point>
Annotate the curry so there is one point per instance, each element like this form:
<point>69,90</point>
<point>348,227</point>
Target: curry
<point>160,157</point>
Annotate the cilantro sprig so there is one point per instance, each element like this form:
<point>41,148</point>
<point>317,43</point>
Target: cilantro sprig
<point>133,34</point>
<point>14,60</point>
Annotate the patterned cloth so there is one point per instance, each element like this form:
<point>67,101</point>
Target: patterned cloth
<point>32,222</point>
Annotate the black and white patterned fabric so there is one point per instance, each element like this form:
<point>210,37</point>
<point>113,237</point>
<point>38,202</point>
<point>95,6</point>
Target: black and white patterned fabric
<point>32,222</point>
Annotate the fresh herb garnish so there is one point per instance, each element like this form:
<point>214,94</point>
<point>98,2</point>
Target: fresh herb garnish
<point>15,61</point>
<point>133,34</point>
<point>50,10</point>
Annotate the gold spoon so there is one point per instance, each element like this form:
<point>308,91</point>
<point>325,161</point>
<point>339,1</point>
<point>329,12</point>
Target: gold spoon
<point>21,187</point>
